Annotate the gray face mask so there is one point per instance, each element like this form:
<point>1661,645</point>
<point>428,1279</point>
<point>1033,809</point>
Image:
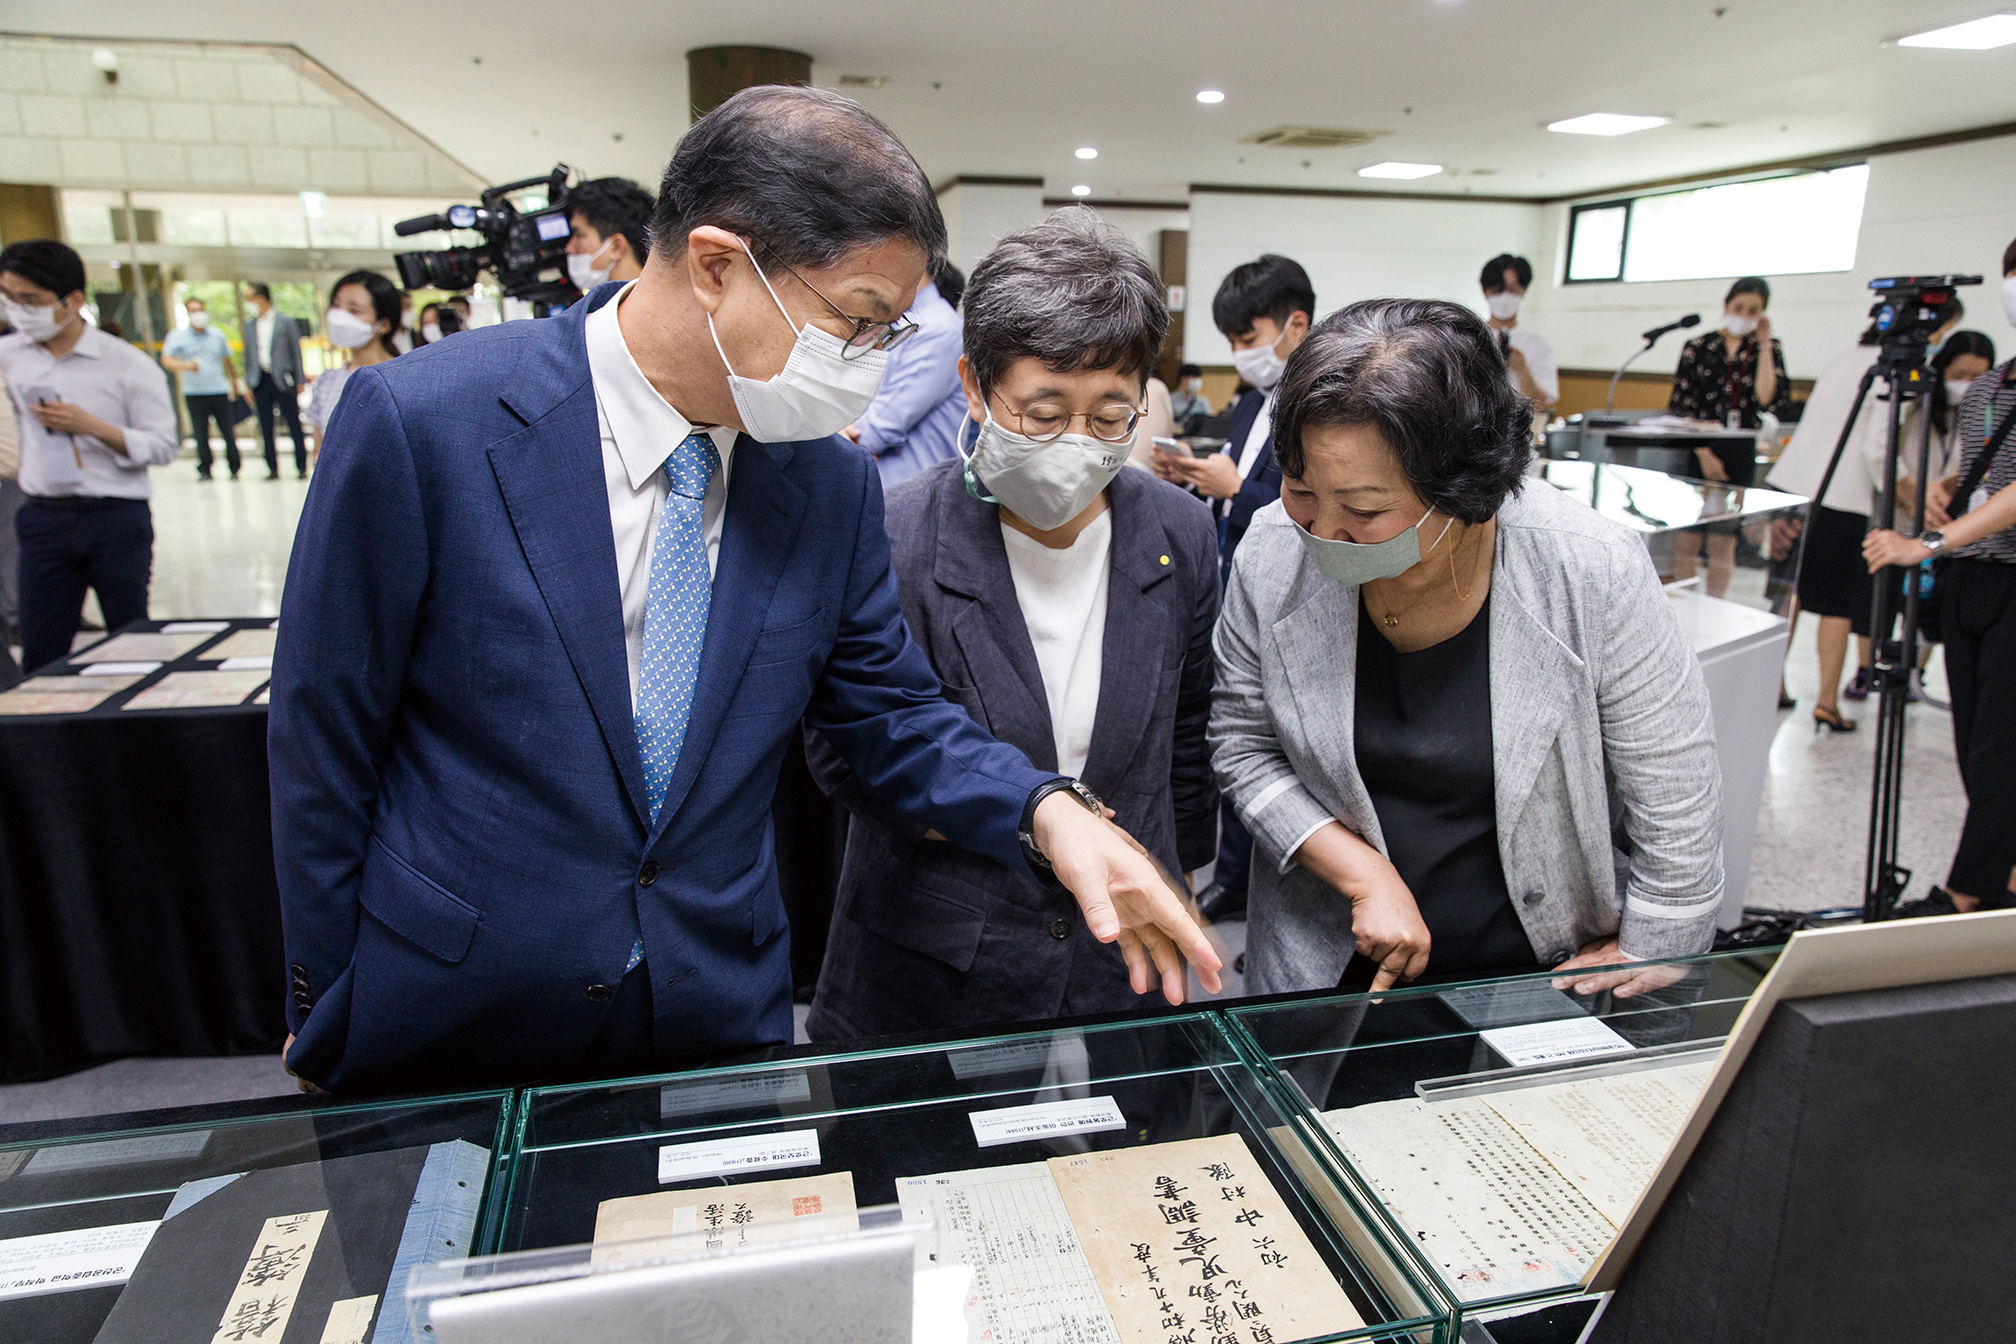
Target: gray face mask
<point>1354,563</point>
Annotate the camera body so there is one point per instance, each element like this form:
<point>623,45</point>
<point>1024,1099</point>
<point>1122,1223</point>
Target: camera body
<point>525,249</point>
<point>1909,308</point>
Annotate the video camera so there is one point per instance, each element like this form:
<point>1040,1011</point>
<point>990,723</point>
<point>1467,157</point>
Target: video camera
<point>525,249</point>
<point>1909,308</point>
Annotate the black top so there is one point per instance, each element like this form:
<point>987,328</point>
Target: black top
<point>1423,729</point>
<point>1708,384</point>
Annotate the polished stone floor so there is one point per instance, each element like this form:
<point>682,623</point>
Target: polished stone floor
<point>222,547</point>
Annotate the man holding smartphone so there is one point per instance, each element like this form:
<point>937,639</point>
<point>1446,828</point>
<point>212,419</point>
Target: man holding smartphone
<point>94,414</point>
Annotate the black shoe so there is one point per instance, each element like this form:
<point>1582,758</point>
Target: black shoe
<point>273,475</point>
<point>304,473</point>
<point>1934,902</point>
<point>1786,702</point>
<point>202,473</point>
<point>1217,904</point>
<point>1857,689</point>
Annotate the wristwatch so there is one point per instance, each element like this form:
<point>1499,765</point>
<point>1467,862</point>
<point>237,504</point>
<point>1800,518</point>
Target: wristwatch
<point>1933,541</point>
<point>1026,833</point>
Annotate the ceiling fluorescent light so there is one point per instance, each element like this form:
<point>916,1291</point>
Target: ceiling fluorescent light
<point>1408,171</point>
<point>1997,30</point>
<point>1606,123</point>
<point>1081,190</point>
<point>1087,153</point>
<point>1210,96</point>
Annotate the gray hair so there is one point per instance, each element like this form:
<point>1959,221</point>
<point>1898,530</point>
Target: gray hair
<point>1071,292</point>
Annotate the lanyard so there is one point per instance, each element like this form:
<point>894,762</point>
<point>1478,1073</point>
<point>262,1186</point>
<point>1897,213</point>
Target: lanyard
<point>1988,411</point>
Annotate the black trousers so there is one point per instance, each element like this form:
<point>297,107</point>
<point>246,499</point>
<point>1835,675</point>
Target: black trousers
<point>205,407</point>
<point>1978,616</point>
<point>68,546</point>
<point>266,395</point>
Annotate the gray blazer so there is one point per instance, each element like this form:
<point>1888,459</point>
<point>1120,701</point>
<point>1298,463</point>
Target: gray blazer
<point>286,368</point>
<point>1609,791</point>
<point>928,936</point>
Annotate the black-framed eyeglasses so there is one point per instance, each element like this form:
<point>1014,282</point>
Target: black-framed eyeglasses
<point>867,334</point>
<point>1044,420</point>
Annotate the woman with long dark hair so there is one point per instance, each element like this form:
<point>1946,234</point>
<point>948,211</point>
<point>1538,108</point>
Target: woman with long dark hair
<point>362,319</point>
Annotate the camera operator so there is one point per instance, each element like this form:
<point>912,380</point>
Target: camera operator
<point>1972,517</point>
<point>607,218</point>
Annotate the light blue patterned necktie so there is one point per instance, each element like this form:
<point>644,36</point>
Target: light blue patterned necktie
<point>675,623</point>
<point>675,615</point>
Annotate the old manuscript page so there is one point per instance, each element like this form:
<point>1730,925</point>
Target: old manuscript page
<point>723,1216</point>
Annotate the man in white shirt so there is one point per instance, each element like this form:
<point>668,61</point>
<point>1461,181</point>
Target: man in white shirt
<point>94,414</point>
<point>273,370</point>
<point>1505,280</point>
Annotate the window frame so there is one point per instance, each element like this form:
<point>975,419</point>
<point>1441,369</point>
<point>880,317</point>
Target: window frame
<point>1630,204</point>
<point>1575,214</point>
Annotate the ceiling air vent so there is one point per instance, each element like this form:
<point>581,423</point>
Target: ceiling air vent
<point>863,81</point>
<point>1312,137</point>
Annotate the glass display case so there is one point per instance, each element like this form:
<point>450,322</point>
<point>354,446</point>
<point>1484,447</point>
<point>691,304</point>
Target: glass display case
<point>300,1223</point>
<point>1732,542</point>
<point>1501,1129</point>
<point>1134,1182</point>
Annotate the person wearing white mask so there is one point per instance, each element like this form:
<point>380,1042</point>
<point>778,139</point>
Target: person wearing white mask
<point>1453,706</point>
<point>93,415</point>
<point>362,319</point>
<point>1064,602</point>
<point>202,355</point>
<point>609,218</point>
<point>561,596</point>
<point>1733,375</point>
<point>1530,356</point>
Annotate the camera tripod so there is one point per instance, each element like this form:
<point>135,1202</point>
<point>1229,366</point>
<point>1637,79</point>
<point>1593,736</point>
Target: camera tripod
<point>1901,366</point>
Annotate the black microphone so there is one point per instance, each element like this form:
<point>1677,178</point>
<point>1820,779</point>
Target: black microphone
<point>1691,320</point>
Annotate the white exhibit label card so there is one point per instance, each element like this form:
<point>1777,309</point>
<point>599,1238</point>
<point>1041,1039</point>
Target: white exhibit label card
<point>117,669</point>
<point>1554,1042</point>
<point>1020,1124</point>
<point>262,663</point>
<point>989,1061</point>
<point>118,1152</point>
<point>734,1094</point>
<point>56,1262</point>
<point>727,1157</point>
<point>194,627</point>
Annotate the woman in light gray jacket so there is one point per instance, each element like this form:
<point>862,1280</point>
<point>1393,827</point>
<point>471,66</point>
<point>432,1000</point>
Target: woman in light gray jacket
<point>1453,706</point>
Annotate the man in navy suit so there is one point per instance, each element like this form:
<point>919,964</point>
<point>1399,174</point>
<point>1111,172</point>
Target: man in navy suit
<point>1264,308</point>
<point>562,592</point>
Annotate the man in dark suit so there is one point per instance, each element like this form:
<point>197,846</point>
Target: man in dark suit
<point>273,369</point>
<point>561,593</point>
<point>1264,308</point>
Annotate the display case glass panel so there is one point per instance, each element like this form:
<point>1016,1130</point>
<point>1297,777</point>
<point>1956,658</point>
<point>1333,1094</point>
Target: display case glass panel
<point>1137,1181</point>
<point>298,1224</point>
<point>1502,1129</point>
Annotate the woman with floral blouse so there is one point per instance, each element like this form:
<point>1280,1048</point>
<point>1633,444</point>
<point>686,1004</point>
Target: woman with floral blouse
<point>1722,376</point>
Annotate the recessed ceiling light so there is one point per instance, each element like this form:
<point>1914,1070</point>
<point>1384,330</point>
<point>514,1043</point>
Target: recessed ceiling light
<point>1081,190</point>
<point>1088,153</point>
<point>1997,30</point>
<point>1401,170</point>
<point>1210,96</point>
<point>1606,123</point>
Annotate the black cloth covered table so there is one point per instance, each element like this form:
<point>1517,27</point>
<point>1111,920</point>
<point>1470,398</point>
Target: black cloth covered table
<point>138,909</point>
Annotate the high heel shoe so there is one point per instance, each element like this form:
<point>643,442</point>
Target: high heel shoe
<point>1831,720</point>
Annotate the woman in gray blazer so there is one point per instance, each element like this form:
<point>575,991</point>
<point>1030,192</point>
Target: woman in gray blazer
<point>1453,706</point>
<point>1067,604</point>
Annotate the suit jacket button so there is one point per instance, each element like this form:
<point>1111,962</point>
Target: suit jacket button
<point>1535,897</point>
<point>298,972</point>
<point>648,873</point>
<point>1060,928</point>
<point>600,993</point>
<point>1556,958</point>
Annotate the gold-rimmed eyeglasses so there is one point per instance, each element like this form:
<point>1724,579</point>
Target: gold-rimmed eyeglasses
<point>1045,420</point>
<point>868,334</point>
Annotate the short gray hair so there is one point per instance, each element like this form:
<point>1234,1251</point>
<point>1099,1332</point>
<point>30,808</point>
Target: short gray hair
<point>1071,292</point>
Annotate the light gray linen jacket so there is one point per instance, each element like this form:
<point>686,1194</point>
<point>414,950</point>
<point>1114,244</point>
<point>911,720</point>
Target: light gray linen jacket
<point>1609,791</point>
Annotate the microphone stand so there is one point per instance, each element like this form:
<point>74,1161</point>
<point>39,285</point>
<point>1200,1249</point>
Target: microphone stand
<point>1610,398</point>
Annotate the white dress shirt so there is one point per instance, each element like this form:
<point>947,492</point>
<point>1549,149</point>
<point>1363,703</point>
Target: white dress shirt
<point>1062,593</point>
<point>262,331</point>
<point>1539,352</point>
<point>639,431</point>
<point>113,381</point>
<point>1263,425</point>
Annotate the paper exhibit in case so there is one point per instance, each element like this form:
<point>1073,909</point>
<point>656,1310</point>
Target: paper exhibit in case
<point>200,690</point>
<point>63,695</point>
<point>141,647</point>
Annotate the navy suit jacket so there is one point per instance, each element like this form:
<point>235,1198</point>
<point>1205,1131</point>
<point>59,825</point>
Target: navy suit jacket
<point>464,848</point>
<point>1261,488</point>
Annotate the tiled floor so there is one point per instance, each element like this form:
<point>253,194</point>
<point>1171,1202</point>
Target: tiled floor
<point>221,550</point>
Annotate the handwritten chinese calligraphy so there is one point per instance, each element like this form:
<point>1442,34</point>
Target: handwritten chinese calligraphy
<point>271,1281</point>
<point>723,1217</point>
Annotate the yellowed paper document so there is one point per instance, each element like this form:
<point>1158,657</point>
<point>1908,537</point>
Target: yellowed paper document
<point>62,695</point>
<point>349,1321</point>
<point>243,644</point>
<point>267,1289</point>
<point>1605,1135</point>
<point>723,1216</point>
<point>141,648</point>
<point>199,690</point>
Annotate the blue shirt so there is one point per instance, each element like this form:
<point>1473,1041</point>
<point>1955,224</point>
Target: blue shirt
<point>916,415</point>
<point>209,349</point>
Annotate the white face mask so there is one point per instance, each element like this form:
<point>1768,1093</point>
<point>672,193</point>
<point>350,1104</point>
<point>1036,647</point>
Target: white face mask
<point>1504,305</point>
<point>36,323</point>
<point>347,331</point>
<point>2009,298</point>
<point>199,320</point>
<point>581,268</point>
<point>817,393</point>
<point>1260,366</point>
<point>1737,325</point>
<point>1354,563</point>
<point>1193,385</point>
<point>1046,484</point>
<point>1956,390</point>
<point>430,332</point>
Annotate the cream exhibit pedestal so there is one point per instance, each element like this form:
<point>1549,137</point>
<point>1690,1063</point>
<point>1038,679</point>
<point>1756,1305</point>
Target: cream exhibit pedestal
<point>1742,651</point>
